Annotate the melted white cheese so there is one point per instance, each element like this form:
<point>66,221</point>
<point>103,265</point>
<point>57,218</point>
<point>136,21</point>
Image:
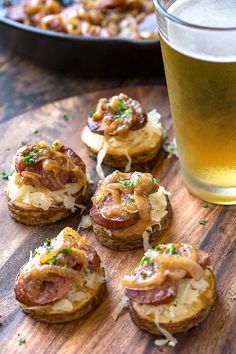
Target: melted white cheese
<point>31,196</point>
<point>136,142</point>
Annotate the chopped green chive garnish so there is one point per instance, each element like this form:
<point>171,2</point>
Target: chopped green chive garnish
<point>66,117</point>
<point>49,249</point>
<point>53,145</point>
<point>47,242</point>
<point>64,251</point>
<point>86,270</point>
<point>36,252</point>
<point>205,205</point>
<point>157,248</point>
<point>172,249</point>
<point>146,260</point>
<point>175,303</point>
<point>154,181</point>
<point>21,340</point>
<point>126,183</point>
<point>91,114</point>
<point>29,157</point>
<point>127,112</point>
<point>121,105</point>
<point>53,260</point>
<point>29,160</point>
<point>203,222</point>
<point>6,175</point>
<point>129,200</point>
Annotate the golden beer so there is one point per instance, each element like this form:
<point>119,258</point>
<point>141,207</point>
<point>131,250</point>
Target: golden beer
<point>202,93</point>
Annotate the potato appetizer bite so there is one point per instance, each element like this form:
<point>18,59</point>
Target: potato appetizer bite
<point>129,210</point>
<point>48,184</point>
<point>120,133</point>
<point>171,290</point>
<point>62,281</point>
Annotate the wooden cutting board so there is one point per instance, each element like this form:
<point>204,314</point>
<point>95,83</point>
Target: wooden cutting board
<point>97,333</point>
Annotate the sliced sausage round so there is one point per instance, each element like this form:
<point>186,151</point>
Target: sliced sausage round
<point>52,179</point>
<point>42,292</point>
<point>124,221</point>
<point>163,294</point>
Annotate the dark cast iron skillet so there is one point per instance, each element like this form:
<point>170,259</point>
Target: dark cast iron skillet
<point>87,56</point>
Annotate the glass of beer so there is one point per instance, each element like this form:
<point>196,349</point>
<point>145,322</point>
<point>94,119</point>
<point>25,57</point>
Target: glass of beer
<point>198,42</point>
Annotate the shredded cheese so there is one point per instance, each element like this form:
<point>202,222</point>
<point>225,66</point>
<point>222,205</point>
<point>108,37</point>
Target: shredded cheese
<point>146,244</point>
<point>170,340</point>
<point>85,222</point>
<point>158,203</point>
<point>30,195</point>
<point>128,166</point>
<point>74,298</point>
<point>63,305</point>
<point>89,179</point>
<point>171,148</point>
<point>93,280</point>
<point>123,304</point>
<point>78,296</point>
<point>100,158</point>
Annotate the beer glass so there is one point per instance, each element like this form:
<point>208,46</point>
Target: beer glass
<point>198,42</point>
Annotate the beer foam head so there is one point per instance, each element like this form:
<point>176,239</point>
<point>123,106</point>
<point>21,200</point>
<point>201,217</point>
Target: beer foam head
<point>207,44</point>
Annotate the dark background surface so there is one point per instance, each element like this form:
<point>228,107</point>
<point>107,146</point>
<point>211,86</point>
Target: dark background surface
<point>25,86</point>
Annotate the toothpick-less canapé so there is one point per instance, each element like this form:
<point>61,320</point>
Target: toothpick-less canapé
<point>49,183</point>
<point>62,281</point>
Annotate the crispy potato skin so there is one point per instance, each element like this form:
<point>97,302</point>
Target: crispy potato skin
<point>107,239</point>
<point>62,317</point>
<point>30,215</point>
<point>184,325</point>
<point>121,160</point>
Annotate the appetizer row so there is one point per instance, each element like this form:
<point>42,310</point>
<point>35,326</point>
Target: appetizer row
<point>49,183</point>
<point>170,290</point>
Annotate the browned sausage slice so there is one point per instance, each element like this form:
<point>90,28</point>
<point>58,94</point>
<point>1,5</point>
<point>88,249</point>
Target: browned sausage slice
<point>50,179</point>
<point>163,294</point>
<point>117,120</point>
<point>42,292</point>
<point>95,126</point>
<point>93,258</point>
<point>122,222</point>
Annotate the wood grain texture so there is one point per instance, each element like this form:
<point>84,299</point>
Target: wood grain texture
<point>98,333</point>
<point>25,86</point>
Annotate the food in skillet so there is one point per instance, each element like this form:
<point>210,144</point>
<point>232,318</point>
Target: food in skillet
<point>62,281</point>
<point>129,210</point>
<point>99,18</point>
<point>171,290</point>
<point>120,132</point>
<point>49,183</point>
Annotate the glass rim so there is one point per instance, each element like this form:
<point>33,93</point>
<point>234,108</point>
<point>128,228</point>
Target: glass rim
<point>177,20</point>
